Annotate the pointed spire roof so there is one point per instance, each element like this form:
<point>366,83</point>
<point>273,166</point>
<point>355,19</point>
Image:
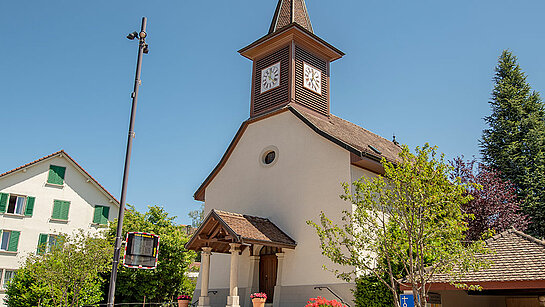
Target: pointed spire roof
<point>288,12</point>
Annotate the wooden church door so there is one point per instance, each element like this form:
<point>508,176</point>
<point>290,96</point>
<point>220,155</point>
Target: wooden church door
<point>268,266</point>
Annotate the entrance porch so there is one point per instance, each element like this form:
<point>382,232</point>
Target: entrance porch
<point>263,245</point>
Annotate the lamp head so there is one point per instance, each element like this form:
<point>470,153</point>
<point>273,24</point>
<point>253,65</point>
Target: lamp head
<point>132,35</point>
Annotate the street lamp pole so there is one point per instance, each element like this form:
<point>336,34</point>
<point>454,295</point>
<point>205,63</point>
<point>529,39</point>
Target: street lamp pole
<point>142,48</point>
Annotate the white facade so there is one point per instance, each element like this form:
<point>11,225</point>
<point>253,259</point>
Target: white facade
<point>304,180</point>
<point>79,189</point>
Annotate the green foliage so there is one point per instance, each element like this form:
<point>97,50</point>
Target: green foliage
<point>68,275</point>
<point>168,280</point>
<point>514,143</point>
<point>197,216</point>
<point>372,292</point>
<point>410,218</point>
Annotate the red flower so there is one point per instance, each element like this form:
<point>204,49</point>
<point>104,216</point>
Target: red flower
<point>322,302</point>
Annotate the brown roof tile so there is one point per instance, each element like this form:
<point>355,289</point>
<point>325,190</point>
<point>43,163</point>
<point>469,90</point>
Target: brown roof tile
<point>353,135</point>
<point>515,256</point>
<point>288,12</point>
<point>256,228</point>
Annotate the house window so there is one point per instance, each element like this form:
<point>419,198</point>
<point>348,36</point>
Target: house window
<point>46,242</point>
<point>16,204</point>
<point>6,276</point>
<point>60,210</point>
<point>9,241</point>
<point>102,213</point>
<point>56,175</point>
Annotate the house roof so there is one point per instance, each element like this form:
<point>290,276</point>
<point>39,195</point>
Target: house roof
<point>357,140</point>
<point>288,12</point>
<point>515,256</point>
<point>62,153</point>
<point>221,228</point>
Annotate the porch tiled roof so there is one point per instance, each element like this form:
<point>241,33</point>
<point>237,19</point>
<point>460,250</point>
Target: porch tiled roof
<point>250,227</point>
<point>515,256</point>
<point>220,228</point>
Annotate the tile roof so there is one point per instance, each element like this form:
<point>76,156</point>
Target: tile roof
<point>289,12</point>
<point>254,228</point>
<point>237,228</point>
<point>515,256</point>
<point>353,135</point>
<point>62,153</point>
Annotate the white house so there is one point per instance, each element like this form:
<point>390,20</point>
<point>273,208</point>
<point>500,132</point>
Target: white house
<point>43,198</point>
<point>284,166</point>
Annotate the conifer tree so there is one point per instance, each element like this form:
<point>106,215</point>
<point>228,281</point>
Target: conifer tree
<point>514,143</point>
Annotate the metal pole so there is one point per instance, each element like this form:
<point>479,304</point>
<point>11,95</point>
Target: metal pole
<point>118,239</point>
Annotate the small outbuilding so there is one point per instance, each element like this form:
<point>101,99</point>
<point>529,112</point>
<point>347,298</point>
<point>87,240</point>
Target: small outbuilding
<point>515,277</point>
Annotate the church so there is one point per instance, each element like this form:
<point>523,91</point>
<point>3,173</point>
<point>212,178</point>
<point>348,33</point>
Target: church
<point>284,166</point>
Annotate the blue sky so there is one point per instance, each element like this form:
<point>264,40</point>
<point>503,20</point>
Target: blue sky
<point>420,69</point>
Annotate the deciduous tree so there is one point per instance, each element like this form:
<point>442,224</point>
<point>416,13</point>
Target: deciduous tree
<point>411,216</point>
<point>169,279</point>
<point>494,206</point>
<point>69,274</point>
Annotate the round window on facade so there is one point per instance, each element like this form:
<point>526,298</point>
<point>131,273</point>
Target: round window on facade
<point>269,156</point>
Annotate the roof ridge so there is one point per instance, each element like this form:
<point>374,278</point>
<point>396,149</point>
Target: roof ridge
<point>521,234</point>
<point>60,153</point>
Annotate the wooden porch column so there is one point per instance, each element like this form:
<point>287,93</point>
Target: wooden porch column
<point>204,300</point>
<point>233,298</point>
<point>278,287</point>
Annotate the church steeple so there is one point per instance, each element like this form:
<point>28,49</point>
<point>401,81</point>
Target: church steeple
<point>291,63</point>
<point>288,12</point>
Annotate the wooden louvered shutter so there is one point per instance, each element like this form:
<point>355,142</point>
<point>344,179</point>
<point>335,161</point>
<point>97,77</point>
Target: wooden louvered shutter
<point>29,205</point>
<point>56,174</point>
<point>105,215</point>
<point>65,208</point>
<point>57,204</point>
<point>3,202</point>
<point>98,214</point>
<point>42,243</point>
<point>13,241</point>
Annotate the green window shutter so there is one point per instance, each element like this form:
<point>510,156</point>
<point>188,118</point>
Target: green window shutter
<point>13,241</point>
<point>98,214</point>
<point>3,202</point>
<point>56,174</point>
<point>57,204</point>
<point>105,215</point>
<point>29,205</point>
<point>42,243</point>
<point>64,210</point>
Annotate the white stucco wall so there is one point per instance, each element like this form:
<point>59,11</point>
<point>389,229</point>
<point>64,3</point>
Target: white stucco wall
<point>82,194</point>
<point>304,181</point>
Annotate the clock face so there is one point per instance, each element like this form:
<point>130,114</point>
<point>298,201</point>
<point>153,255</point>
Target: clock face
<point>312,78</point>
<point>270,77</point>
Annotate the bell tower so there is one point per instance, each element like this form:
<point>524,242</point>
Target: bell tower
<point>290,63</point>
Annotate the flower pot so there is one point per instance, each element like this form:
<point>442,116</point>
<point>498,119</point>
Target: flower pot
<point>258,302</point>
<point>183,303</point>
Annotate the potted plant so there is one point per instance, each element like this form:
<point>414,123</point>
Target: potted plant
<point>259,299</point>
<point>322,302</point>
<point>183,300</point>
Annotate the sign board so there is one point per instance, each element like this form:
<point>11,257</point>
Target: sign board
<point>406,300</point>
<point>141,250</point>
